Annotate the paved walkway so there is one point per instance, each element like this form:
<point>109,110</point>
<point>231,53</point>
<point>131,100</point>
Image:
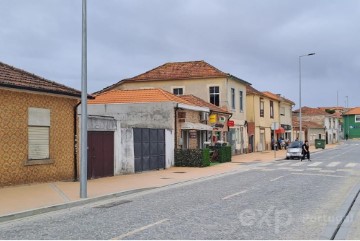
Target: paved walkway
<point>33,198</point>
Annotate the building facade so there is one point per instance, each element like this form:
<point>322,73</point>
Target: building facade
<point>203,80</point>
<point>36,128</point>
<point>351,124</point>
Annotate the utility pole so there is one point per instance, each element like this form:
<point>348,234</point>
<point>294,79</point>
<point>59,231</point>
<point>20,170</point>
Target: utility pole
<point>84,147</point>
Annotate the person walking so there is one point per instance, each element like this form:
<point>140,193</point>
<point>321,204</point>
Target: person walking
<point>305,151</point>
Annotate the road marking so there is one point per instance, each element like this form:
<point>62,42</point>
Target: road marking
<point>351,164</point>
<point>285,168</point>
<point>276,178</point>
<point>267,170</point>
<point>314,164</point>
<point>234,195</point>
<point>298,164</point>
<point>297,170</point>
<point>333,164</point>
<point>264,164</point>
<point>327,171</point>
<point>315,174</point>
<point>139,229</point>
<point>313,168</point>
<point>283,164</point>
<point>344,170</point>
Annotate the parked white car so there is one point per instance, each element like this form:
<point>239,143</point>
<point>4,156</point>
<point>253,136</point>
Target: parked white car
<point>294,150</point>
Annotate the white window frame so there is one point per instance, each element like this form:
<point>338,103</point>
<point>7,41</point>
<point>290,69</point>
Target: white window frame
<point>232,95</point>
<point>357,118</point>
<point>178,87</point>
<point>241,98</point>
<point>218,93</point>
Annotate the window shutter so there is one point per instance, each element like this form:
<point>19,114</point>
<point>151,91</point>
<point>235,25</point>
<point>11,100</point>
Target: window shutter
<point>38,142</point>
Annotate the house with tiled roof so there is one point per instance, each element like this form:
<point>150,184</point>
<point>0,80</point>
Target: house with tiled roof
<point>218,119</point>
<point>285,115</point>
<point>144,127</point>
<point>351,123</point>
<point>312,130</point>
<point>37,128</point>
<point>318,115</point>
<point>205,81</point>
<point>262,111</point>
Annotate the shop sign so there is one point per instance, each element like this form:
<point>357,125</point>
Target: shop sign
<point>231,123</point>
<point>213,118</point>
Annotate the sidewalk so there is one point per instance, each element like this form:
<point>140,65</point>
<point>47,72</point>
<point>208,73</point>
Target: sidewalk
<point>27,200</point>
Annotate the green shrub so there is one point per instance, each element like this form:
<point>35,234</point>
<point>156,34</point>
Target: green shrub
<point>192,157</point>
<point>224,154</point>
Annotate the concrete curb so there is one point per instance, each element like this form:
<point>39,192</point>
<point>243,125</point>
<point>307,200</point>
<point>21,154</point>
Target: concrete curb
<point>335,222</point>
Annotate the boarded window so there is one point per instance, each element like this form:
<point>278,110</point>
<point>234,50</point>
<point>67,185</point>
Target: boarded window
<point>38,133</point>
<point>38,142</point>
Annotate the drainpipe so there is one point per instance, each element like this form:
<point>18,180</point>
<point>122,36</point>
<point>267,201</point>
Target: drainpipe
<point>75,142</point>
<point>175,124</point>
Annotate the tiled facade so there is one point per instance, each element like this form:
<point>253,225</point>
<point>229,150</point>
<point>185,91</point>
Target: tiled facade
<point>14,138</point>
<point>191,116</point>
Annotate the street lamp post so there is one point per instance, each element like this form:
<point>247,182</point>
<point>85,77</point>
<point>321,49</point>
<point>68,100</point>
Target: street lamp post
<point>300,122</point>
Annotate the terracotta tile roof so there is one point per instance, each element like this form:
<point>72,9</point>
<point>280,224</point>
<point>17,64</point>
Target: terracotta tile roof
<point>306,124</point>
<point>311,111</point>
<point>353,111</point>
<point>287,100</point>
<point>332,108</point>
<point>137,96</point>
<point>178,71</point>
<point>272,95</point>
<point>200,102</point>
<point>252,91</point>
<point>11,77</point>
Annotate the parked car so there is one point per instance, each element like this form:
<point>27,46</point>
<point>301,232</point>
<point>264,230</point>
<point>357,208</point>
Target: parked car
<point>294,150</point>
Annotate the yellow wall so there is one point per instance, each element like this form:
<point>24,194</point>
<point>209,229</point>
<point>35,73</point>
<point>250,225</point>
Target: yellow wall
<point>253,115</point>
<point>14,138</point>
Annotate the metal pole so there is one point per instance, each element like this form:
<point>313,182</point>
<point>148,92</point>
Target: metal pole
<point>300,119</point>
<point>83,162</point>
<point>300,123</point>
<point>348,118</point>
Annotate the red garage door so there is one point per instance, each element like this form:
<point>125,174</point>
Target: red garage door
<point>100,154</point>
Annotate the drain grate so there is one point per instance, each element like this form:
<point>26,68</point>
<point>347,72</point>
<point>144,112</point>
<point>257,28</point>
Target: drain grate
<point>113,204</point>
<point>179,172</point>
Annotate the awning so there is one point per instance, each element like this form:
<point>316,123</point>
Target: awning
<point>280,130</point>
<point>195,126</point>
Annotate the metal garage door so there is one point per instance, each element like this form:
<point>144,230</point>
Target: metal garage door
<point>149,149</point>
<point>100,154</point>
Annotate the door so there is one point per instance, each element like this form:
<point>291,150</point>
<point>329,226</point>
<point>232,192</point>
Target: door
<point>149,149</point>
<point>100,154</point>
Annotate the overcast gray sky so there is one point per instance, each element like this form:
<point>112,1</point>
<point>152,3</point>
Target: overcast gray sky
<point>259,41</point>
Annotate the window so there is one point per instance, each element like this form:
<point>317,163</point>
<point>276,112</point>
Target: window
<point>241,101</point>
<point>38,135</point>
<point>272,109</point>
<point>214,95</point>
<point>178,91</point>
<point>261,107</point>
<point>357,118</point>
<point>282,111</point>
<point>233,98</point>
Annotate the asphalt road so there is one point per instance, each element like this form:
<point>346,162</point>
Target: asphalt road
<point>285,199</point>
